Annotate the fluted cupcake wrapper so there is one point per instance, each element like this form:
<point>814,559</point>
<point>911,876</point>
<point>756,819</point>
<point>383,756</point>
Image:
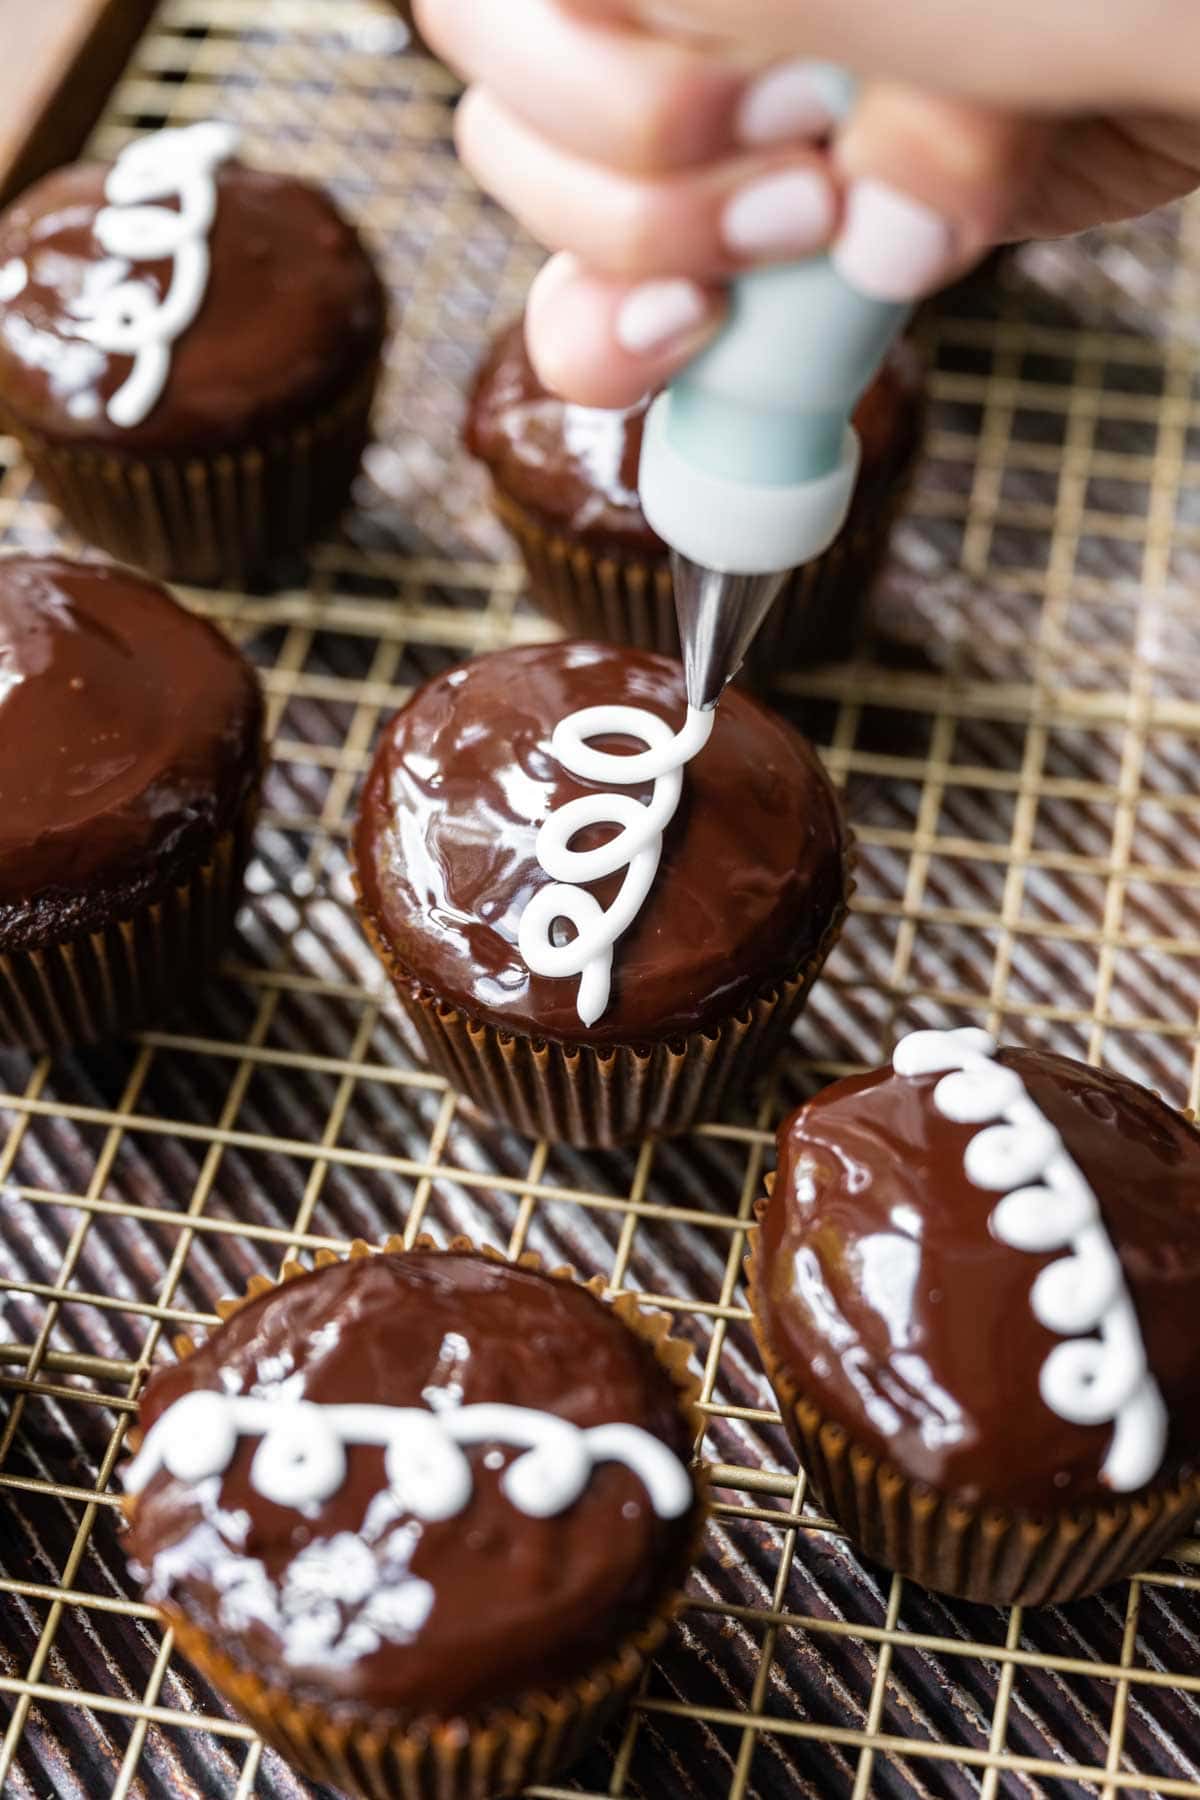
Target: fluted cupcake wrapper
<point>598,1097</point>
<point>986,1553</point>
<point>624,598</point>
<point>132,970</point>
<point>236,516</point>
<point>470,1756</point>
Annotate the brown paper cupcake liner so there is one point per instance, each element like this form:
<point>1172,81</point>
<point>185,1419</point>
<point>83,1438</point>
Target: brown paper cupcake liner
<point>624,598</point>
<point>131,971</point>
<point>985,1553</point>
<point>236,517</point>
<point>599,1097</point>
<point>472,1756</point>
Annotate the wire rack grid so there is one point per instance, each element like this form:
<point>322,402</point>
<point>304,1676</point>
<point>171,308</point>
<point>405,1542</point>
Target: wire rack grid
<point>1016,748</point>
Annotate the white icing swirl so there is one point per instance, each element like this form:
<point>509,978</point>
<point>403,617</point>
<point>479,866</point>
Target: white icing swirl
<point>636,847</point>
<point>1047,1205</point>
<point>301,1460</point>
<point>123,316</point>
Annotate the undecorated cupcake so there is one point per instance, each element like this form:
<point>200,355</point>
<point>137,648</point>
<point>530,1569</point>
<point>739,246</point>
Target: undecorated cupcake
<point>565,484</point>
<point>188,352</point>
<point>601,910</point>
<point>130,765</point>
<point>422,1516</point>
<point>975,1289</point>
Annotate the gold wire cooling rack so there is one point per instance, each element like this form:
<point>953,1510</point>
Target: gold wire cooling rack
<point>1017,749</point>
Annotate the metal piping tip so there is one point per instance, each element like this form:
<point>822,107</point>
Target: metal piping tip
<point>718,618</point>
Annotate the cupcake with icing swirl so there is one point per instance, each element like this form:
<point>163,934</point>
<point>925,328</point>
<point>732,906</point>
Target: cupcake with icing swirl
<point>600,910</point>
<point>189,348</point>
<point>973,1287</point>
<point>422,1515</point>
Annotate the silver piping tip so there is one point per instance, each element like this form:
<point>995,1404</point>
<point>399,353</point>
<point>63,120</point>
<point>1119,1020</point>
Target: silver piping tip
<point>719,616</point>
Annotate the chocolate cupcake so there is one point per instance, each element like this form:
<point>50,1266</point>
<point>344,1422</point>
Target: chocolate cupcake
<point>975,1288</point>
<point>421,1516</point>
<point>694,933</point>
<point>565,484</point>
<point>130,760</point>
<point>188,353</point>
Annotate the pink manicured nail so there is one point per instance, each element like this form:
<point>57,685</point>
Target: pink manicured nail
<point>794,100</point>
<point>892,247</point>
<point>557,272</point>
<point>785,214</point>
<point>658,313</point>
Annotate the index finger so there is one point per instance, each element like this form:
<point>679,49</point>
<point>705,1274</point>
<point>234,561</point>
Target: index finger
<point>614,95</point>
<point>1064,56</point>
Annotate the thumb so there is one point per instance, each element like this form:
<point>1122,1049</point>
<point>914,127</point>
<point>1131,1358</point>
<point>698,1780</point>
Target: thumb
<point>930,185</point>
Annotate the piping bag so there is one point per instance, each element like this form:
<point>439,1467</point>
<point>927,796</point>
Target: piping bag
<point>749,458</point>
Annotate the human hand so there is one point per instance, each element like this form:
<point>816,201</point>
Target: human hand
<point>662,146</point>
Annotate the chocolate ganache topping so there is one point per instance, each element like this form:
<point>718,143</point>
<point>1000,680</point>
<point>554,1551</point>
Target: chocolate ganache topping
<point>291,313</point>
<point>577,466</point>
<point>752,863</point>
<point>129,735</point>
<point>925,1299</point>
<point>395,1602</point>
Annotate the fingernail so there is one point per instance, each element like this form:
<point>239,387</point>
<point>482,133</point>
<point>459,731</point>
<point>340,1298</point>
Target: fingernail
<point>557,272</point>
<point>892,247</point>
<point>801,99</point>
<point>657,313</point>
<point>785,214</point>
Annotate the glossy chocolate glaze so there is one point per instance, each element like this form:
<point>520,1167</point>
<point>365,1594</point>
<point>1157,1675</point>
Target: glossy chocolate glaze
<point>518,1603</point>
<point>577,467</point>
<point>751,872</point>
<point>129,735</point>
<point>293,313</point>
<point>882,1289</point>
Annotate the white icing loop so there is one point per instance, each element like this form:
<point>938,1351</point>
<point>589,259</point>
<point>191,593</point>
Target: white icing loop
<point>1088,1381</point>
<point>426,1469</point>
<point>202,1440</point>
<point>301,1453</point>
<point>1038,1219</point>
<point>125,318</point>
<point>1074,1293</point>
<point>636,846</point>
<point>551,1473</point>
<point>664,1477</point>
<point>301,1460</point>
<point>1012,1154</point>
<point>929,1052</point>
<point>665,750</point>
<point>1099,1374</point>
<point>972,1096</point>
